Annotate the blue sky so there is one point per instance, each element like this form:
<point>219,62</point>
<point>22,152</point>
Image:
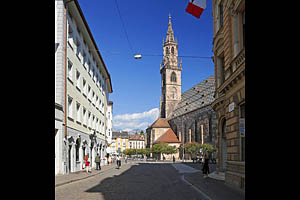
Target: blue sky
<point>136,83</point>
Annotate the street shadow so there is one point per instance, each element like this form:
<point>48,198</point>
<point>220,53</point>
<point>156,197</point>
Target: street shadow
<point>138,182</point>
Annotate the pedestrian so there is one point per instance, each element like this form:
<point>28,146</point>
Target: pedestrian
<point>205,168</point>
<point>87,164</point>
<point>173,159</point>
<point>118,161</point>
<point>109,160</point>
<point>97,161</point>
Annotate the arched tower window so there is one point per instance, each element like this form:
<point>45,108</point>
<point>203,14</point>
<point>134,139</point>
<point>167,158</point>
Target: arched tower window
<point>167,51</point>
<point>172,50</point>
<point>173,77</point>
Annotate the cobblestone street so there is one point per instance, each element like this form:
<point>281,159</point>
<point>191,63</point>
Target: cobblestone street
<point>136,181</point>
<point>161,180</point>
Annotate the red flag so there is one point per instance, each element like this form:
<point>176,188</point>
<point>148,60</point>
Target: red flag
<point>196,7</point>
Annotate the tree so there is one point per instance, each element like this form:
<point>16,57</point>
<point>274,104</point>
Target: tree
<point>142,132</point>
<point>129,152</point>
<point>193,148</point>
<point>170,150</point>
<point>206,148</point>
<point>163,148</point>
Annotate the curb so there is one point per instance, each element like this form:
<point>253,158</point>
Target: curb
<point>78,179</point>
<point>203,194</point>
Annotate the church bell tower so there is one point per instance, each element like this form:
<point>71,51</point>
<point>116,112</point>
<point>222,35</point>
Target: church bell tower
<point>170,70</point>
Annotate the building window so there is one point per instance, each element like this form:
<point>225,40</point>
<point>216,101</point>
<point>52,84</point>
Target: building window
<point>172,50</point>
<point>84,86</point>
<point>221,22</point>
<point>78,80</point>
<point>70,67</point>
<point>167,51</point>
<point>78,49</point>
<point>90,120</point>
<point>220,70</point>
<point>173,77</point>
<point>93,97</point>
<point>97,125</point>
<point>78,112</point>
<point>89,92</point>
<point>84,116</point>
<point>70,105</point>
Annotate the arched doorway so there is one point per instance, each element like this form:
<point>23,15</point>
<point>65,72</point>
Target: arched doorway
<point>223,146</point>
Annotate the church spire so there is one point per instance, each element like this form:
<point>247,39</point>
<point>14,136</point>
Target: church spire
<point>170,33</point>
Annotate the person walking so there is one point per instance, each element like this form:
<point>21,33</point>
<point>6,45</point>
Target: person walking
<point>118,161</point>
<point>87,164</point>
<point>109,159</point>
<point>97,161</point>
<point>205,168</point>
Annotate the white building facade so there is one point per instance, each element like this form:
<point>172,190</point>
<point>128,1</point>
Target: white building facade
<point>136,142</point>
<point>85,91</point>
<point>109,127</point>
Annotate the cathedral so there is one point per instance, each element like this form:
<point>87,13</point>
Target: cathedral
<point>186,117</point>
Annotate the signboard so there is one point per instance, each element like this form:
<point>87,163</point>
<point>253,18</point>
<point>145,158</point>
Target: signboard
<point>231,107</point>
<point>242,126</point>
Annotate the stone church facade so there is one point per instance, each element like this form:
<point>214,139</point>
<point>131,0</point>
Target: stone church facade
<point>187,115</point>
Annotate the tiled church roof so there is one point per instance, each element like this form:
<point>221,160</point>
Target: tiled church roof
<point>197,97</point>
<point>160,123</point>
<point>168,137</point>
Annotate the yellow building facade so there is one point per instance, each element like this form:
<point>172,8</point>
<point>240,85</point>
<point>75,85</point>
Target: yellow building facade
<point>229,104</point>
<point>119,142</point>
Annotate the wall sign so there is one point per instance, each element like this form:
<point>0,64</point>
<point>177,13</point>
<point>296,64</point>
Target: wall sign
<point>231,107</point>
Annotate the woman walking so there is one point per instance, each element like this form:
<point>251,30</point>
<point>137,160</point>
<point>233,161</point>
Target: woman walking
<point>118,161</point>
<point>87,164</point>
<point>205,167</point>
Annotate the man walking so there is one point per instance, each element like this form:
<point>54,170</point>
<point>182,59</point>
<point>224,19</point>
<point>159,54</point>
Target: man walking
<point>97,161</point>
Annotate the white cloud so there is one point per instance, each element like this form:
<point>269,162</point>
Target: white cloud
<point>128,122</point>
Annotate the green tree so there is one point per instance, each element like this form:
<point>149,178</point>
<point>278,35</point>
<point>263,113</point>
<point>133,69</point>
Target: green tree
<point>193,149</point>
<point>159,148</point>
<point>170,150</point>
<point>129,152</point>
<point>142,132</point>
<point>163,148</point>
<point>206,148</point>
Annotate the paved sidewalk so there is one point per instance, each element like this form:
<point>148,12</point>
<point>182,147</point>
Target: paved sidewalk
<point>214,189</point>
<point>80,175</point>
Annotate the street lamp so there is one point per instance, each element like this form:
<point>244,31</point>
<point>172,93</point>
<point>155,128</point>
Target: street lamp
<point>137,56</point>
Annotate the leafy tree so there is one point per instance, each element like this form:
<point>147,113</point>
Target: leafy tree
<point>142,132</point>
<point>193,148</point>
<point>159,148</point>
<point>163,148</point>
<point>129,152</point>
<point>170,150</point>
<point>207,148</point>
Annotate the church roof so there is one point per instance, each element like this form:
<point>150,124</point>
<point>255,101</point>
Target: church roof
<point>196,97</point>
<point>160,123</point>
<point>168,137</point>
